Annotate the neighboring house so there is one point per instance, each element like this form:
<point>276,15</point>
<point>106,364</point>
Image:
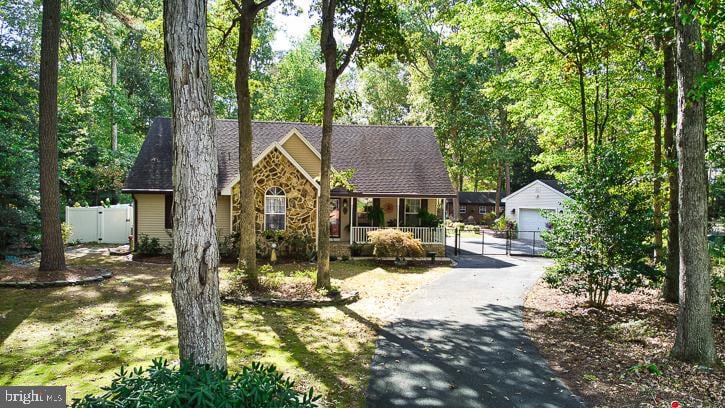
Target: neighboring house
<point>528,206</point>
<point>473,205</point>
<point>396,168</point>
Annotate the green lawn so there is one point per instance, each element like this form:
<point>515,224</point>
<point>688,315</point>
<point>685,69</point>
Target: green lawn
<point>79,336</point>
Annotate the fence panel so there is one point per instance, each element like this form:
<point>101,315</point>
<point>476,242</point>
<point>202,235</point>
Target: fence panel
<point>98,224</point>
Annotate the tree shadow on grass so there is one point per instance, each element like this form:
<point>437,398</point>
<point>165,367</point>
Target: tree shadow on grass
<point>328,351</point>
<point>74,335</point>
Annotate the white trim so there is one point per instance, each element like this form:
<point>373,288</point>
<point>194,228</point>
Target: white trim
<point>515,193</point>
<point>297,133</point>
<point>231,215</point>
<point>274,145</point>
<point>284,197</point>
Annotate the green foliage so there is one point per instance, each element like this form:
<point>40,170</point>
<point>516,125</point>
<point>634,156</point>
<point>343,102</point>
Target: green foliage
<point>601,242</point>
<point>162,386</point>
<point>148,246</point>
<point>504,224</point>
<point>290,245</point>
<point>427,219</point>
<point>650,368</point>
<point>342,179</point>
<point>488,218</point>
<point>717,258</point>
<point>395,243</point>
<point>376,215</point>
<point>384,88</point>
<point>66,231</point>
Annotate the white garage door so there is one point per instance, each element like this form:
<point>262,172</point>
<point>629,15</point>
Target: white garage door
<point>531,220</point>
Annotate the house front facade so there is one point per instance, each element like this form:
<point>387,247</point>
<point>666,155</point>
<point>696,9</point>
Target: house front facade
<point>398,175</point>
<point>474,205</point>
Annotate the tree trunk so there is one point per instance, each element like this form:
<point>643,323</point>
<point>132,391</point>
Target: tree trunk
<point>247,233</point>
<point>657,183</point>
<point>497,206</point>
<point>329,51</point>
<point>583,107</point>
<point>694,339</point>
<point>672,269</point>
<point>194,274</point>
<point>508,179</point>
<point>114,81</point>
<point>52,257</point>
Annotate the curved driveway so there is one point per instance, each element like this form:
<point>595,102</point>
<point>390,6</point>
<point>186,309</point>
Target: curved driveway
<point>459,342</point>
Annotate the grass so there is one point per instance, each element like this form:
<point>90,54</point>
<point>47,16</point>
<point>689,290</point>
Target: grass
<point>80,336</point>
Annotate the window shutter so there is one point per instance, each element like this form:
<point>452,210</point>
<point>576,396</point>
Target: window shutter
<point>168,211</point>
<point>424,204</point>
<point>401,212</point>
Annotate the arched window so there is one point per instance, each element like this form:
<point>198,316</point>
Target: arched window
<point>275,209</point>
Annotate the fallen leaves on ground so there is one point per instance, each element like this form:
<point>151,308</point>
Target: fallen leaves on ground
<point>619,355</point>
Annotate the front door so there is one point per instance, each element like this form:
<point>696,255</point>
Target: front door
<point>335,218</point>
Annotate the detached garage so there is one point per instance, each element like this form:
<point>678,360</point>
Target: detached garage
<point>528,206</point>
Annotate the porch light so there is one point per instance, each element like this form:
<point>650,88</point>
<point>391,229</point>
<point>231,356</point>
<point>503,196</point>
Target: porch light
<point>344,206</point>
<point>513,211</point>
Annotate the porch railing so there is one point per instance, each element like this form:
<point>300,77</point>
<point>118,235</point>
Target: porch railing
<point>359,235</point>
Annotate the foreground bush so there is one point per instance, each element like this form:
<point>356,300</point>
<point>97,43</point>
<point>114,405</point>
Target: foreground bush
<point>198,386</point>
<point>395,243</point>
<point>602,241</point>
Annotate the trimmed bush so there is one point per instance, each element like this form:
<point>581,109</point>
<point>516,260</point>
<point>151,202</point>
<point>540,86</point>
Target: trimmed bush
<point>393,242</point>
<point>198,386</point>
<point>148,246</point>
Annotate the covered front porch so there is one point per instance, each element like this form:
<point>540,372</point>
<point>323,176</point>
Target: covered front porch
<point>353,217</point>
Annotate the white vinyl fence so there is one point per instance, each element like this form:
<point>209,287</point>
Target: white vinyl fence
<point>426,235</point>
<point>99,224</point>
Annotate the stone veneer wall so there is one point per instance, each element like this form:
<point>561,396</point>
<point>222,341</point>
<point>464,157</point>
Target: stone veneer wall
<point>274,170</point>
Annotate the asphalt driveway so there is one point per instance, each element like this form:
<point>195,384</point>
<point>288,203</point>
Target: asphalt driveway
<point>459,342</point>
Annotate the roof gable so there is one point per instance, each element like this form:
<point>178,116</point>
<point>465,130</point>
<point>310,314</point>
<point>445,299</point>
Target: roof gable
<point>535,183</point>
<point>302,150</point>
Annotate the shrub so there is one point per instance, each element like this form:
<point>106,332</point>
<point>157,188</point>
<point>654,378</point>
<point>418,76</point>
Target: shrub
<point>393,242</point>
<point>427,219</point>
<point>601,242</point>
<point>503,224</point>
<point>198,386</point>
<point>148,246</point>
<point>229,246</point>
<point>458,225</point>
<point>488,218</point>
<point>66,231</point>
<point>361,249</point>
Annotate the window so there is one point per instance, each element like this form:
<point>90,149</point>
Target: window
<point>481,209</point>
<point>463,209</point>
<point>168,211</point>
<point>275,209</point>
<point>362,206</point>
<point>412,205</point>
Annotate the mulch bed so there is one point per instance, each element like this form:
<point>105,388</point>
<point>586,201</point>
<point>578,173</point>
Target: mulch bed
<point>619,356</point>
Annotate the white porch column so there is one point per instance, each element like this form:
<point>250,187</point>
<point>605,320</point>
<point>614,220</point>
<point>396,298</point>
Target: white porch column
<point>397,212</point>
<point>444,211</point>
<point>351,208</point>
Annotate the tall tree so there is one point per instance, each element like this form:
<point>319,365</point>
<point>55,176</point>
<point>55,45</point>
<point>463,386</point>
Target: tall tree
<point>373,28</point>
<point>672,266</point>
<point>694,339</point>
<point>194,275</point>
<point>52,257</point>
<point>248,10</point>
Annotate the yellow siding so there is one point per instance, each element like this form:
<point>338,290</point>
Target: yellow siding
<point>223,216</point>
<point>150,215</point>
<point>390,208</point>
<point>303,155</point>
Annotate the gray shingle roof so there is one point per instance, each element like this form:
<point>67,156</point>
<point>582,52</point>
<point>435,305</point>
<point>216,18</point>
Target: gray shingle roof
<point>477,197</point>
<point>555,185</point>
<point>388,160</point>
